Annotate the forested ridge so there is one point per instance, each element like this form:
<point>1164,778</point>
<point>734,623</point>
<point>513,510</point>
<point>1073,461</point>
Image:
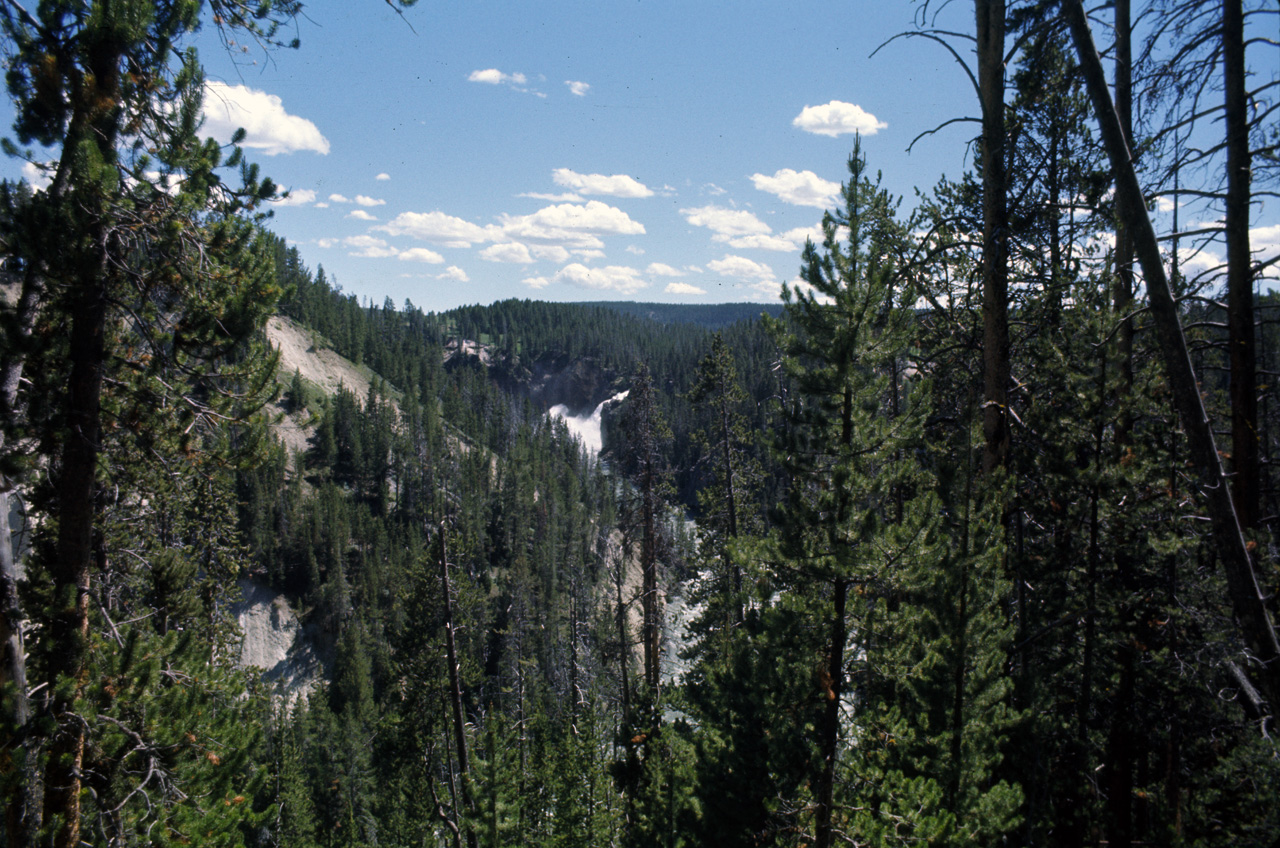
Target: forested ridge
<point>974,537</point>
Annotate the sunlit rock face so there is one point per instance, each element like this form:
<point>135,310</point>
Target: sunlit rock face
<point>275,641</point>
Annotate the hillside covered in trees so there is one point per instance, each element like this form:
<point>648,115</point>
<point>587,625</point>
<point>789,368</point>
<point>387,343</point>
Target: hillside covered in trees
<point>972,541</point>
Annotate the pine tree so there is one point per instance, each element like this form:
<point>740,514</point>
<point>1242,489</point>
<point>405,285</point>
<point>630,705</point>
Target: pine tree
<point>910,634</point>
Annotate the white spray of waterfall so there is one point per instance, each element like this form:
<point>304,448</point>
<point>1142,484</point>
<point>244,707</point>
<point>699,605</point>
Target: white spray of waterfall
<point>586,428</point>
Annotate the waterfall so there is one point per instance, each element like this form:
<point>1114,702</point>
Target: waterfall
<point>586,428</point>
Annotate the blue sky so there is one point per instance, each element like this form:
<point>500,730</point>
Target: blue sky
<point>580,151</point>
<point>661,151</point>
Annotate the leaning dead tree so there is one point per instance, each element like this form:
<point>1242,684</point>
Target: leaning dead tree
<point>1247,602</point>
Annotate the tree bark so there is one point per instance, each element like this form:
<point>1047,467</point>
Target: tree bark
<point>71,568</point>
<point>1122,296</point>
<point>1240,319</point>
<point>829,733</point>
<point>455,689</point>
<point>731,504</point>
<point>21,809</point>
<point>649,567</point>
<point>996,367</point>
<point>1252,617</point>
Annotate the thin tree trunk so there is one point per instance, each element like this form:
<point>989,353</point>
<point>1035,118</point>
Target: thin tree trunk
<point>996,371</point>
<point>649,577</point>
<point>1240,320</point>
<point>829,733</point>
<point>731,496</point>
<point>13,679</point>
<point>1251,613</point>
<point>1122,298</point>
<point>71,568</point>
<point>624,646</point>
<point>21,809</point>
<point>455,689</point>
<point>1120,755</point>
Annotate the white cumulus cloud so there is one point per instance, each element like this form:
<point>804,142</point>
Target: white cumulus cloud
<point>770,290</point>
<point>439,228</point>
<point>493,76</point>
<point>338,198</point>
<point>454,273</point>
<point>369,247</point>
<point>551,252</point>
<point>788,242</point>
<point>361,215</point>
<point>536,282</point>
<point>1265,241</point>
<point>742,268</point>
<point>567,197</point>
<point>36,176</point>
<point>726,223</point>
<point>421,254</point>
<point>269,129</point>
<point>801,188</point>
<point>572,225</point>
<point>363,200</point>
<point>838,118</point>
<point>616,185</point>
<point>512,251</point>
<point>297,197</point>
<point>578,87</point>
<point>609,278</point>
<point>658,269</point>
<point>384,176</point>
<point>683,288</point>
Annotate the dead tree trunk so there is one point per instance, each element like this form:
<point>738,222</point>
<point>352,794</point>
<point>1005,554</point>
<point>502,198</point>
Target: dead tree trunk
<point>455,689</point>
<point>1252,617</point>
<point>1240,320</point>
<point>996,367</point>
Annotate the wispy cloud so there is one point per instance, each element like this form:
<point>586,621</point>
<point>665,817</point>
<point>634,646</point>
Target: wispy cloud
<point>383,177</point>
<point>838,118</point>
<point>577,87</point>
